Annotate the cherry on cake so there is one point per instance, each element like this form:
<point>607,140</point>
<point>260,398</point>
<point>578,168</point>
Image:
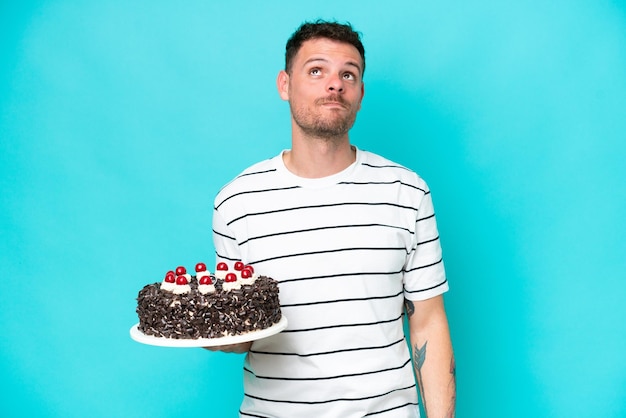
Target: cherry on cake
<point>233,301</point>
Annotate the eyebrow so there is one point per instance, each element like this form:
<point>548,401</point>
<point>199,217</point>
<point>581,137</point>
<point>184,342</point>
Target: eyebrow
<point>349,63</point>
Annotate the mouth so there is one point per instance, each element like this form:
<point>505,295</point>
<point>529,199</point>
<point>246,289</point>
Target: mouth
<point>331,102</point>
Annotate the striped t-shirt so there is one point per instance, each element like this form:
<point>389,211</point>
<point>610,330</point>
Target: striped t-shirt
<point>346,250</point>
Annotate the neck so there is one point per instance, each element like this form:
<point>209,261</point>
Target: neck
<point>319,157</point>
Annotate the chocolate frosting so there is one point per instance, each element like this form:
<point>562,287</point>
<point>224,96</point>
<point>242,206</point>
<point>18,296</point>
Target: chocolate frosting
<point>221,313</point>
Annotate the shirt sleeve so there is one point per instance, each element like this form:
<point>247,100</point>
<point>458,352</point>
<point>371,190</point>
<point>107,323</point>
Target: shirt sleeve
<point>226,246</point>
<point>424,272</point>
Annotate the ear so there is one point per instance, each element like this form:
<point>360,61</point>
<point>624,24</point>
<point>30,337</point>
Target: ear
<point>282,83</point>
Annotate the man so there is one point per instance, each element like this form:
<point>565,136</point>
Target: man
<point>351,238</point>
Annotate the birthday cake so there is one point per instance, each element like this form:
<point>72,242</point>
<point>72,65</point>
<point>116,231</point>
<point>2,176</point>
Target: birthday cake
<point>228,302</point>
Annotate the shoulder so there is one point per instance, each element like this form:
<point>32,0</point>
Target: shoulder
<point>250,179</point>
<point>384,169</point>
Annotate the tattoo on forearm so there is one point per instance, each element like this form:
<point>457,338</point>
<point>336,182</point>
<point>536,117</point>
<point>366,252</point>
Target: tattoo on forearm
<point>419,356</point>
<point>410,308</point>
<point>451,412</point>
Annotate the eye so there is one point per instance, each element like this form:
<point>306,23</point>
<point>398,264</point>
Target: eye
<point>349,76</point>
<point>315,71</point>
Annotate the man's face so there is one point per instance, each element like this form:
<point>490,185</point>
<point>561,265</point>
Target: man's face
<point>324,88</point>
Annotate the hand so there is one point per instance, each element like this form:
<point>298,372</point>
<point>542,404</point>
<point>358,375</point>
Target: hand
<point>231,348</point>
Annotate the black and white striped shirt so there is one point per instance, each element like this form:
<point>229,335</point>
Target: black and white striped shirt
<point>346,250</point>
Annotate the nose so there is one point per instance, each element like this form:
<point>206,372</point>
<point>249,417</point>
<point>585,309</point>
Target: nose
<point>335,84</point>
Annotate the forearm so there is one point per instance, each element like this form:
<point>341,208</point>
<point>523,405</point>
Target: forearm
<point>433,358</point>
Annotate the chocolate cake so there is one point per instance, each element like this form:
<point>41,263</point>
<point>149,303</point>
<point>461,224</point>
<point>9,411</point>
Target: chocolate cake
<point>227,303</point>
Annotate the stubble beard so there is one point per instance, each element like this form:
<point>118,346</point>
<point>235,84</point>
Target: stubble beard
<point>330,127</point>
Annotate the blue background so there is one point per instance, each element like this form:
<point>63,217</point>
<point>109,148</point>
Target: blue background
<point>119,121</point>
